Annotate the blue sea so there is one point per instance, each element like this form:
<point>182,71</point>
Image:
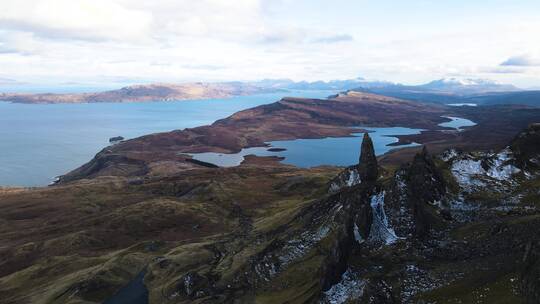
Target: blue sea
<point>40,142</point>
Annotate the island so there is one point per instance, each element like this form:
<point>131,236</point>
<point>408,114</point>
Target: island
<point>145,93</point>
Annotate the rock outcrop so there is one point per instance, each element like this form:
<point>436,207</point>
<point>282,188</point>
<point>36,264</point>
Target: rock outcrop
<point>116,139</point>
<point>526,148</point>
<point>530,275</point>
<point>426,190</point>
<point>367,167</point>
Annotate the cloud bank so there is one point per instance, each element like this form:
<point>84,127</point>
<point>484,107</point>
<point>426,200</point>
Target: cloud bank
<point>521,61</point>
<point>212,40</point>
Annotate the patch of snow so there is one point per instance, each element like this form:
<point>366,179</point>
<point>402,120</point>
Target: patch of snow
<point>296,248</point>
<point>380,229</point>
<point>334,187</point>
<point>348,178</point>
<point>354,178</point>
<point>500,170</point>
<point>417,280</point>
<point>460,205</point>
<point>468,171</point>
<point>357,235</point>
<point>437,204</point>
<point>449,154</point>
<point>349,288</point>
<point>465,170</point>
<point>504,172</point>
<point>292,250</point>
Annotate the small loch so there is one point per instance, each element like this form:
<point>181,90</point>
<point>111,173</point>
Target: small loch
<point>305,153</point>
<point>457,123</point>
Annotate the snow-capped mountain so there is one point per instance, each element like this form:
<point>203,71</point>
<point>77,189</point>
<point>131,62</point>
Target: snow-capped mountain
<point>464,86</point>
<point>458,90</point>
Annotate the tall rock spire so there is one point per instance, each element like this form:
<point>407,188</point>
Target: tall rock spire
<point>368,168</point>
<point>426,185</point>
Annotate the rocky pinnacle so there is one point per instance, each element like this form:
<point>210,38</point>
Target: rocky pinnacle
<point>367,167</point>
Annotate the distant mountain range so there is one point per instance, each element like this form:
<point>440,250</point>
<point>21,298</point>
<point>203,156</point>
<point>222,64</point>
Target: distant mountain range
<point>453,86</point>
<point>465,86</point>
<point>442,91</point>
<point>458,91</point>
<point>342,85</point>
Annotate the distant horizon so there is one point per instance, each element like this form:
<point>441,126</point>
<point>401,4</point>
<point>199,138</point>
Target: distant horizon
<point>73,88</point>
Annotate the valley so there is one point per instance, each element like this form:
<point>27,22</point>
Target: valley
<point>271,233</point>
<point>144,221</point>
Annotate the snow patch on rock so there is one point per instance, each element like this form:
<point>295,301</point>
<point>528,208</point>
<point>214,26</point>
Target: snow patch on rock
<point>348,178</point>
<point>501,169</point>
<point>357,235</point>
<point>417,280</point>
<point>449,154</point>
<point>348,289</point>
<point>354,178</point>
<point>470,172</point>
<point>380,231</point>
<point>465,171</point>
<point>297,248</point>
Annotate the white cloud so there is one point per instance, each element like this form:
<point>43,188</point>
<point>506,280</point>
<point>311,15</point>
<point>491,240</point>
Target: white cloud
<point>521,61</point>
<point>75,19</point>
<point>181,40</point>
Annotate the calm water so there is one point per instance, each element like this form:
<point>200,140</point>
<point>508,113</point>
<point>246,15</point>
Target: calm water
<point>457,123</point>
<point>40,142</point>
<point>339,151</point>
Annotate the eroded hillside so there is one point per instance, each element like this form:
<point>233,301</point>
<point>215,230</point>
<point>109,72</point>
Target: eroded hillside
<point>461,227</point>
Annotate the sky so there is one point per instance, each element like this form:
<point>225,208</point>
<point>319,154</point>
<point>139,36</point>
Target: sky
<point>109,42</point>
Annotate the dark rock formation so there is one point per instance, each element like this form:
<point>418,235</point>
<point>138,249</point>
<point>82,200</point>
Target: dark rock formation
<point>276,150</point>
<point>530,275</point>
<point>526,148</point>
<point>116,139</point>
<point>426,188</point>
<point>368,167</point>
<point>366,171</point>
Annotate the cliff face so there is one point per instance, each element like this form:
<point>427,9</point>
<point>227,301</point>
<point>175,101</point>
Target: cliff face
<point>526,147</point>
